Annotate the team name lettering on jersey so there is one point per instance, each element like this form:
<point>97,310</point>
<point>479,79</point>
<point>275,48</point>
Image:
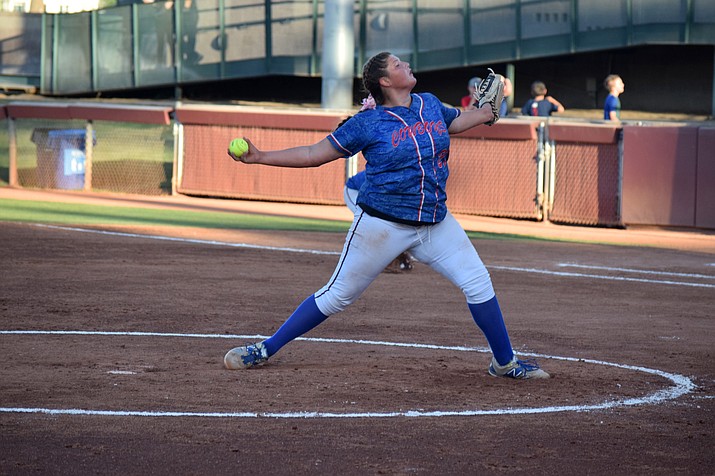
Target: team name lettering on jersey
<point>418,128</point>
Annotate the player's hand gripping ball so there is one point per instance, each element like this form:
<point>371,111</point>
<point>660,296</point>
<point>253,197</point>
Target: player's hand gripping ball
<point>238,147</point>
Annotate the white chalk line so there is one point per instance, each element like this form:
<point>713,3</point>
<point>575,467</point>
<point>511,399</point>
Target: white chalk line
<point>637,271</point>
<point>188,240</point>
<point>598,276</point>
<point>681,385</point>
<point>336,253</point>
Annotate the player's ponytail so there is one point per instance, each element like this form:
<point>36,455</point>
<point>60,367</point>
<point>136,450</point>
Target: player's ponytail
<point>374,69</point>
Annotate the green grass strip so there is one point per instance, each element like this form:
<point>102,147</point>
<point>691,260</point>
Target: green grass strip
<point>59,213</point>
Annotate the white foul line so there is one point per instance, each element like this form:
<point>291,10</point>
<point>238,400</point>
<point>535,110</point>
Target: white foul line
<point>188,240</point>
<point>637,271</point>
<point>682,386</point>
<point>598,276</point>
<point>336,253</point>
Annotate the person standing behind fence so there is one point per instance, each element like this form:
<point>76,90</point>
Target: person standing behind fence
<point>540,104</point>
<point>468,100</point>
<point>508,90</point>
<point>612,107</point>
<point>405,139</point>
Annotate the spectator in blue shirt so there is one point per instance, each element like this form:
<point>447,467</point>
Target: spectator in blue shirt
<point>612,108</point>
<point>540,104</point>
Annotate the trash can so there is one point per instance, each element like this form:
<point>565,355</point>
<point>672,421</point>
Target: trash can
<point>60,157</point>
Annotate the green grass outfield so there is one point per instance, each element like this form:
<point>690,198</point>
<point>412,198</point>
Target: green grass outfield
<point>58,213</point>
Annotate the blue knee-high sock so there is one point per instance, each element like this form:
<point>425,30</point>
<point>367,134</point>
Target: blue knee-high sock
<point>303,319</point>
<point>489,318</point>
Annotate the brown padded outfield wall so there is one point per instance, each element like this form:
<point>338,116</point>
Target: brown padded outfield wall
<point>705,185</point>
<point>492,169</point>
<point>208,170</point>
<point>570,172</point>
<point>585,174</point>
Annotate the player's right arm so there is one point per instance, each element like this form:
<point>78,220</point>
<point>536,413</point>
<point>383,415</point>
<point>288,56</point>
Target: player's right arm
<point>297,157</point>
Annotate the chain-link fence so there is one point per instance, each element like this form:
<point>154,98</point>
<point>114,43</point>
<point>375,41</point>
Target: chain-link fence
<point>586,184</point>
<point>568,173</point>
<point>584,179</point>
<point>121,157</point>
<point>40,156</point>
<point>495,177</point>
<point>133,158</point>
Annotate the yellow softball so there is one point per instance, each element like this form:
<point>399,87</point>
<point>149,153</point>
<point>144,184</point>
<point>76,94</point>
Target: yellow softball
<point>238,147</point>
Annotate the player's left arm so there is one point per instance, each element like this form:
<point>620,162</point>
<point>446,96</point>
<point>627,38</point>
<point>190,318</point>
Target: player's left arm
<point>471,118</point>
<point>556,103</point>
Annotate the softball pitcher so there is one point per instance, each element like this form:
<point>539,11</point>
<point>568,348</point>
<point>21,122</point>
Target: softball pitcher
<point>404,138</point>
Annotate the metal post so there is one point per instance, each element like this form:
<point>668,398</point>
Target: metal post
<point>136,70</point>
<point>222,37</point>
<point>541,213</point>
<point>175,159</point>
<point>93,60</point>
<point>574,25</point>
<point>363,36</point>
<point>619,197</point>
<point>179,148</point>
<point>689,18</point>
<point>510,73</point>
<point>88,154</point>
<point>314,41</point>
<point>712,106</point>
<point>338,55</point>
<point>269,35</point>
<point>178,49</point>
<point>415,37</point>
<point>43,53</point>
<point>629,24</point>
<point>517,20</point>
<point>12,146</point>
<point>55,47</point>
<point>467,22</point>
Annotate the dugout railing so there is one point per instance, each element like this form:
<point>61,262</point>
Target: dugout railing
<point>582,173</point>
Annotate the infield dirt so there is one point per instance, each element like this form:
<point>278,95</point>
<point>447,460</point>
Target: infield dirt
<point>652,309</point>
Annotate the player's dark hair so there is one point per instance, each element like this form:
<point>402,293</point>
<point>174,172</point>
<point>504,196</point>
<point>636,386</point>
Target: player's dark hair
<point>341,123</point>
<point>374,69</point>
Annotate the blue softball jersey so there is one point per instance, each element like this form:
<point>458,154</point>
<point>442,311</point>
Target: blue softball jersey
<point>406,152</point>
